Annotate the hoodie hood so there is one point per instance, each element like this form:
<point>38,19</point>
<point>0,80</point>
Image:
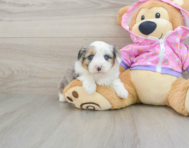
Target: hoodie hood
<point>150,40</point>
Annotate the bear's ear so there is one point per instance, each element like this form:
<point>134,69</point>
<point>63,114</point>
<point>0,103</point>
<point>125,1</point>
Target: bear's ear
<point>183,3</point>
<point>121,12</point>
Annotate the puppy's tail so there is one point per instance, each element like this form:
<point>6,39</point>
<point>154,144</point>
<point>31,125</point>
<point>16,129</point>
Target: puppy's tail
<point>69,76</point>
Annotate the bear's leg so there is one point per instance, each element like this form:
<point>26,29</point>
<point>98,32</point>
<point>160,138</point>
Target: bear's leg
<point>178,97</point>
<point>104,98</point>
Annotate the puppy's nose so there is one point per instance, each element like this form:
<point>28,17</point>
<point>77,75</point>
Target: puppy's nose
<point>99,68</point>
<point>147,27</point>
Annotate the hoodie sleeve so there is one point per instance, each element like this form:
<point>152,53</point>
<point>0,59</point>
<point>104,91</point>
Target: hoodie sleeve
<point>185,58</point>
<point>127,56</point>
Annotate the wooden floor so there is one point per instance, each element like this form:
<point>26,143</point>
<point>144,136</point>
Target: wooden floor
<point>39,40</point>
<point>40,121</point>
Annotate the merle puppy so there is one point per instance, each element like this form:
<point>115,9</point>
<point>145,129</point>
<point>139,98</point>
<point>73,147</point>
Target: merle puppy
<point>97,63</point>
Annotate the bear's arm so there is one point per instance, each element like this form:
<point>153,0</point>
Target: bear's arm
<point>185,57</point>
<point>128,55</point>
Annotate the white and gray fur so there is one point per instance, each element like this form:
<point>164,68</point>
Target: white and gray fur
<point>97,70</point>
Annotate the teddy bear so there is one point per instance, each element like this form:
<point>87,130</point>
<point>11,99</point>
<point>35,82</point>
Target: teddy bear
<point>151,68</point>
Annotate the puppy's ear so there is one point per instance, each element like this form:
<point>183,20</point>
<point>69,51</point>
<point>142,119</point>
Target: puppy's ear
<point>121,12</point>
<point>82,53</point>
<point>117,54</point>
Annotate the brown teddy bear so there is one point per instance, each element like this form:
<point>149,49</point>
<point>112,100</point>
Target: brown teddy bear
<point>151,67</point>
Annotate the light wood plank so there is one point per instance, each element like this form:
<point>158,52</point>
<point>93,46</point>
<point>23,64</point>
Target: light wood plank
<point>41,121</point>
<point>161,127</point>
<point>61,18</point>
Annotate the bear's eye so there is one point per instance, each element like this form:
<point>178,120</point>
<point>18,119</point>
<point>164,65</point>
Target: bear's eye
<point>142,17</point>
<point>157,15</point>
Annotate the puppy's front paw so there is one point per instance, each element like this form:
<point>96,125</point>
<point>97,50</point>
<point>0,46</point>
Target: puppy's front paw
<point>122,92</point>
<point>90,88</point>
<point>61,97</point>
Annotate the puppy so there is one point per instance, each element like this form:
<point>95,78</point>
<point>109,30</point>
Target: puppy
<point>97,63</point>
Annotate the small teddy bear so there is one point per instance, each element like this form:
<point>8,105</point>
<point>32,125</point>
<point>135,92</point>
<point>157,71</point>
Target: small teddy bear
<point>151,67</point>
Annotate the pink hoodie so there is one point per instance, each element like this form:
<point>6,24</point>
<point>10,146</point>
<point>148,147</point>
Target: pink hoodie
<point>167,56</point>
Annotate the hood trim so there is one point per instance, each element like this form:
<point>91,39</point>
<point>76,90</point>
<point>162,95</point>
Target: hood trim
<point>128,16</point>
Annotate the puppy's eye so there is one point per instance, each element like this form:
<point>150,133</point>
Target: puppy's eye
<point>157,15</point>
<point>106,57</point>
<point>142,17</point>
<point>90,57</point>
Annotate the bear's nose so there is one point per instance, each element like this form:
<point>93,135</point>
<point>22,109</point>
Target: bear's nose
<point>147,27</point>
